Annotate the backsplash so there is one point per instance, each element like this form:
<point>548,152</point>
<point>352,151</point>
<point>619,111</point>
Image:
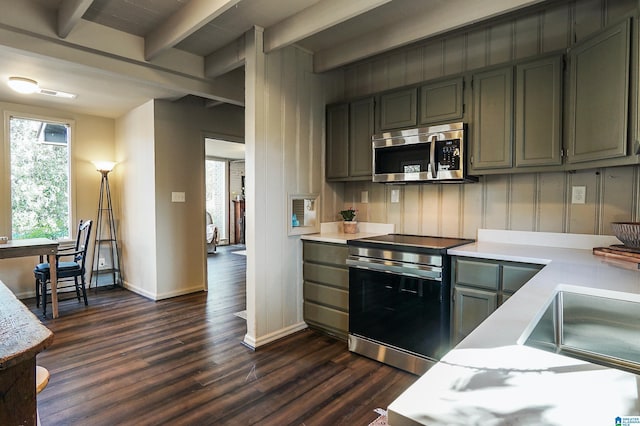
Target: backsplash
<point>524,202</point>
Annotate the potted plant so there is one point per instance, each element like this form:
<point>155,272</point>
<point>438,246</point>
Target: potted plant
<point>349,223</point>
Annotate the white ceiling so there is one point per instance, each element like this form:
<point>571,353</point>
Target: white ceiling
<point>64,38</point>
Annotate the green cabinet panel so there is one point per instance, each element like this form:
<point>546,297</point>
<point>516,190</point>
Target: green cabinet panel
<point>398,109</point>
<point>326,274</point>
<point>599,95</point>
<point>538,118</point>
<point>492,127</point>
<point>337,149</point>
<point>326,287</point>
<point>333,297</point>
<point>480,286</point>
<point>515,276</point>
<point>441,101</point>
<point>476,273</point>
<point>348,145</point>
<point>472,307</point>
<point>361,121</point>
<point>317,252</point>
<point>331,321</point>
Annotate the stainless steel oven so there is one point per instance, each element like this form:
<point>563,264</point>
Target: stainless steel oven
<point>399,299</point>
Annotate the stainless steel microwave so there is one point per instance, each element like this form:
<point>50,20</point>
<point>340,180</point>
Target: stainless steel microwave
<point>428,154</point>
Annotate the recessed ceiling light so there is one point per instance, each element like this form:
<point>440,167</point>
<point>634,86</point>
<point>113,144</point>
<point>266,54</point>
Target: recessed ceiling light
<point>23,85</point>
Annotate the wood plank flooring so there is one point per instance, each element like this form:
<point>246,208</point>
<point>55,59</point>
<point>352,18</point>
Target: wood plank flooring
<point>126,360</point>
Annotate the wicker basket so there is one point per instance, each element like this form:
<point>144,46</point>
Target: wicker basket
<point>627,232</point>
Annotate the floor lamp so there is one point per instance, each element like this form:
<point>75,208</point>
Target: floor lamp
<point>106,242</point>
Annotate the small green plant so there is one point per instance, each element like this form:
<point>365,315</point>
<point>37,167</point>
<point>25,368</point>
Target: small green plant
<point>348,215</point>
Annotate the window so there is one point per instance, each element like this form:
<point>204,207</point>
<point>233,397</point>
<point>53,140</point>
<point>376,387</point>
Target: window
<point>40,178</point>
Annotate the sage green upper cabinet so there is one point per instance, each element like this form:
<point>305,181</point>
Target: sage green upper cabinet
<point>538,113</point>
<point>337,141</point>
<point>441,101</point>
<point>492,127</point>
<point>361,121</point>
<point>349,130</point>
<point>598,96</point>
<point>398,109</point>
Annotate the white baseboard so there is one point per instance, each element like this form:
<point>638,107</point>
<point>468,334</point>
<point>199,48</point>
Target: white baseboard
<point>254,343</point>
<point>161,296</point>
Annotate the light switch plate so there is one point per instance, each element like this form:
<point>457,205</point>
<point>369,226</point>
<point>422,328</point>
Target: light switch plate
<point>364,197</point>
<point>177,197</point>
<point>578,194</point>
<point>395,195</point>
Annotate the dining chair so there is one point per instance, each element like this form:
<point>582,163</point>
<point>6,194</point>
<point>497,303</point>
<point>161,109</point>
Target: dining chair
<point>73,268</point>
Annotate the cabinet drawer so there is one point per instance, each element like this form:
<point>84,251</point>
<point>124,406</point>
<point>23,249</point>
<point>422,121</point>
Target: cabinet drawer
<point>515,276</point>
<point>323,295</point>
<point>324,316</point>
<point>325,274</point>
<point>325,253</point>
<point>477,274</point>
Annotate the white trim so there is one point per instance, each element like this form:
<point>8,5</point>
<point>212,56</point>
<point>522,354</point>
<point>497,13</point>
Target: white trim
<point>254,343</point>
<point>161,296</point>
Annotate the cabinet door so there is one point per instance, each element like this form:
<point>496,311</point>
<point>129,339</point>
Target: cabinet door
<point>539,112</point>
<point>398,109</point>
<point>477,273</point>
<point>337,165</point>
<point>515,276</point>
<point>492,119</point>
<point>598,96</point>
<point>471,307</point>
<point>360,132</point>
<point>441,101</point>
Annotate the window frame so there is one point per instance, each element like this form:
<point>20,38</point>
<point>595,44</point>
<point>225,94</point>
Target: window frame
<point>5,180</point>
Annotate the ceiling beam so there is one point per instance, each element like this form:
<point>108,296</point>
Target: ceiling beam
<point>443,17</point>
<point>187,20</point>
<point>69,14</point>
<point>226,59</point>
<point>322,15</point>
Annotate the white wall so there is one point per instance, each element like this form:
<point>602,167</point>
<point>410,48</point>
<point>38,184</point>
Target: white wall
<point>161,147</point>
<point>135,177</point>
<point>92,140</point>
<point>284,135</point>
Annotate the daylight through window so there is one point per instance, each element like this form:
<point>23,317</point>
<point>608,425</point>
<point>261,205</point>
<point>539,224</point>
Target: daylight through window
<point>40,179</point>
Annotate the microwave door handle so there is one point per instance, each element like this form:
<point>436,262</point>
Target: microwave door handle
<point>432,157</point>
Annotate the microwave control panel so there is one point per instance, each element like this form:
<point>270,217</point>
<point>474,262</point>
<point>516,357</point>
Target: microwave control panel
<point>449,155</point>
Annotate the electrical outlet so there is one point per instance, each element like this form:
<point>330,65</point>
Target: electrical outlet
<point>578,194</point>
<point>364,197</point>
<point>395,195</point>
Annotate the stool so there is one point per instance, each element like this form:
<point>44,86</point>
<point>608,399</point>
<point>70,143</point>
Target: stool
<point>42,378</point>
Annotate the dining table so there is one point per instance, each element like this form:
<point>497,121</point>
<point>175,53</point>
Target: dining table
<point>36,247</point>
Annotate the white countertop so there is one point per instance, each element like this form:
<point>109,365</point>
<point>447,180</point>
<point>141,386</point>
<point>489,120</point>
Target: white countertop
<point>490,378</point>
<point>331,232</point>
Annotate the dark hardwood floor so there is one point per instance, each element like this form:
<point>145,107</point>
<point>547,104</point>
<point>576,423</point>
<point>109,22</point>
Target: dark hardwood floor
<point>126,360</point>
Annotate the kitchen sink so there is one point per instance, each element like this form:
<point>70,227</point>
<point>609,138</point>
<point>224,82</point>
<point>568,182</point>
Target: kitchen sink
<point>599,329</point>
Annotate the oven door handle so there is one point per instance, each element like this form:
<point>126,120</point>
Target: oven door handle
<point>391,267</point>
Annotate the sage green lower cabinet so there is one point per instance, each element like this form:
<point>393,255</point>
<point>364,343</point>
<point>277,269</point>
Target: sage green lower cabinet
<point>326,287</point>
<point>472,307</point>
<point>480,286</point>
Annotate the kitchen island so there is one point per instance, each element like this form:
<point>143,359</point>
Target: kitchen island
<point>22,337</point>
<point>491,378</point>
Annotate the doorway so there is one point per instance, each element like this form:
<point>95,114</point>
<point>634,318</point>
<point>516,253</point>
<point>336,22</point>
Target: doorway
<point>224,191</point>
